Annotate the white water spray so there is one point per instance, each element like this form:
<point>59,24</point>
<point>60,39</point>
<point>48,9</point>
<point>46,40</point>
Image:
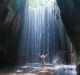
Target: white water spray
<point>41,31</point>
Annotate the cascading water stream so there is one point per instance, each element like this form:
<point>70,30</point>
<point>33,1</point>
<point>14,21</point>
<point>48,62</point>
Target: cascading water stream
<point>41,32</point>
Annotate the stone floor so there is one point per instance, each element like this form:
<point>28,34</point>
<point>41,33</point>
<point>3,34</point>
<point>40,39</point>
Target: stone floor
<point>48,69</point>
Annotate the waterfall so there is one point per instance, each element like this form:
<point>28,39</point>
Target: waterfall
<point>41,32</point>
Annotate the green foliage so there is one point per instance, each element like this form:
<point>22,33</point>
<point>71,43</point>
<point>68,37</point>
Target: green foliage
<point>36,3</point>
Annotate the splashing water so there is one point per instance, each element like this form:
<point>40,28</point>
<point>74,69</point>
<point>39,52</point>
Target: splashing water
<point>55,61</point>
<point>41,32</point>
